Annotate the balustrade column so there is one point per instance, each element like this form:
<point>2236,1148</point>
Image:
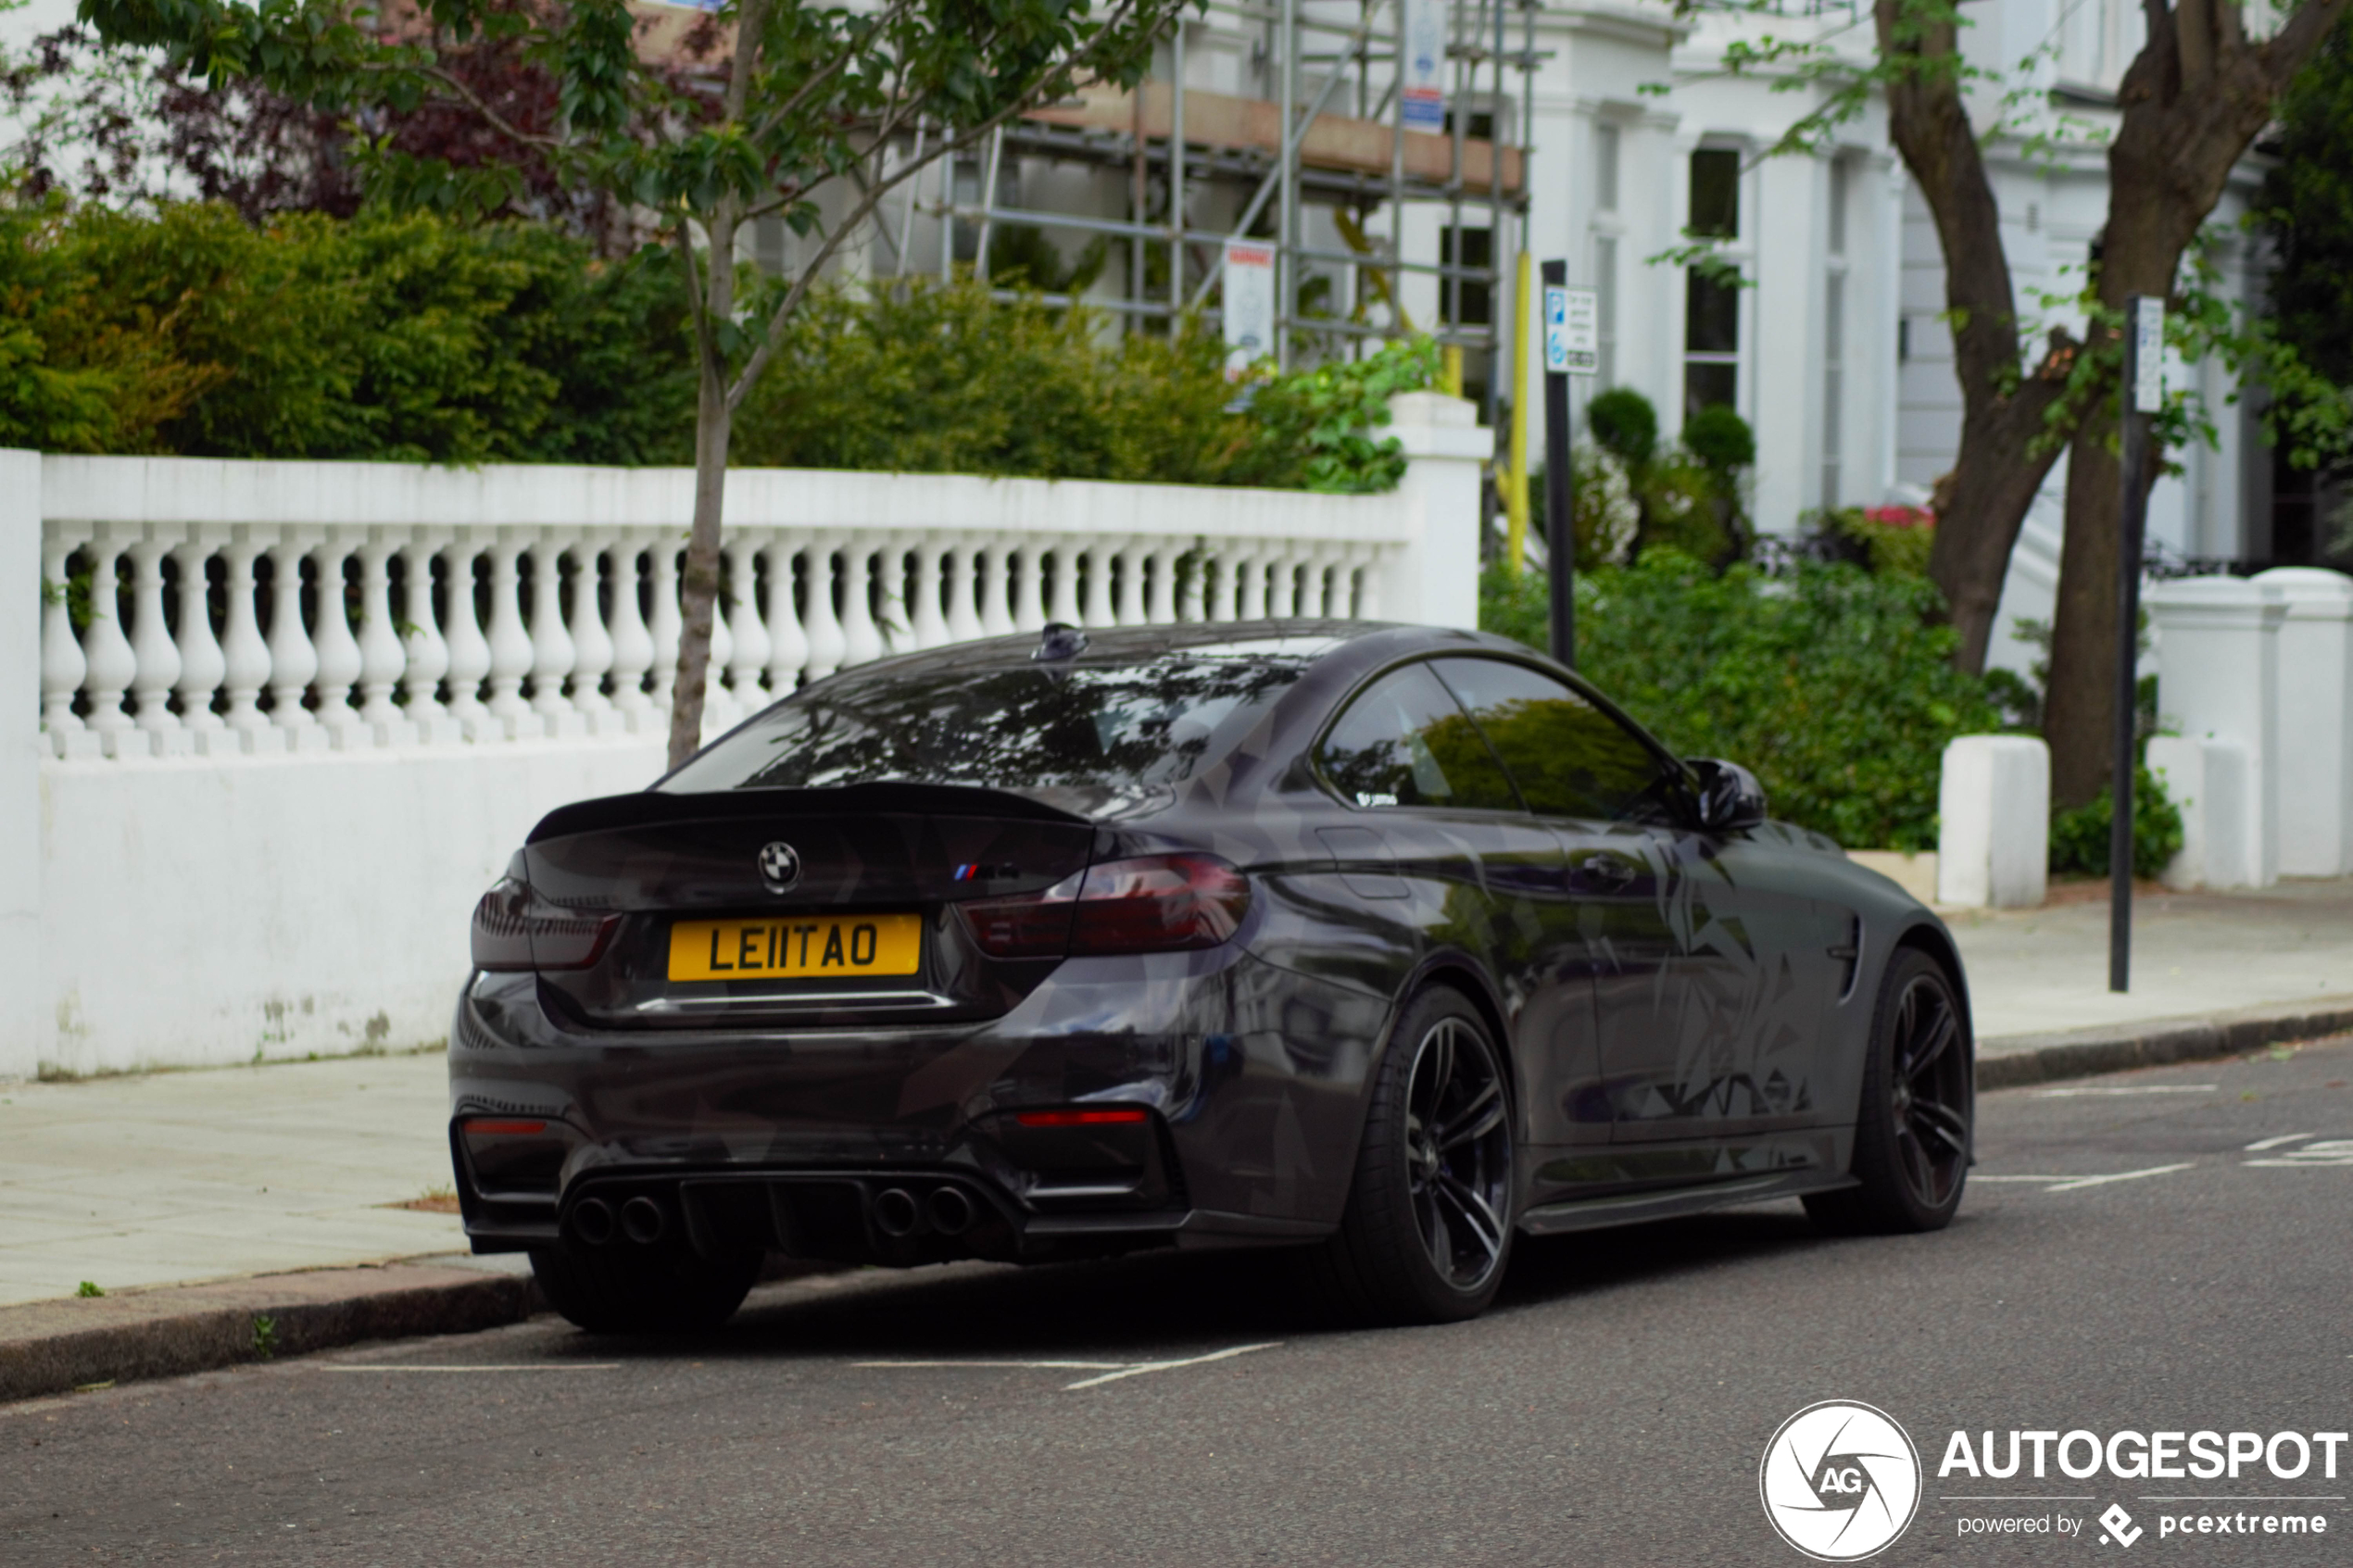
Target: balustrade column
<point>667,628</point>
<point>203,667</point>
<point>861,642</point>
<point>928,626</point>
<point>1282,587</point>
<point>963,583</point>
<point>469,650</point>
<point>1311,587</point>
<point>1194,604</point>
<point>1163,591</point>
<point>424,653</point>
<point>1066,606</point>
<point>633,646</point>
<point>511,647</point>
<point>1029,612</point>
<point>1130,558</point>
<point>1250,572</point>
<point>246,656</point>
<point>592,647</point>
<point>1227,600</point>
<point>382,659</point>
<point>1365,603</point>
<point>890,597</point>
<point>996,580</point>
<point>294,662</point>
<point>339,662</point>
<point>787,644</point>
<point>747,659</point>
<point>152,649</point>
<point>1099,612</point>
<point>63,665</point>
<point>828,644</point>
<point>551,650</point>
<point>112,664</point>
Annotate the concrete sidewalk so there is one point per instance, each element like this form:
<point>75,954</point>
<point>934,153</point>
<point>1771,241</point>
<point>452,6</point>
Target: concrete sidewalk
<point>185,1176</point>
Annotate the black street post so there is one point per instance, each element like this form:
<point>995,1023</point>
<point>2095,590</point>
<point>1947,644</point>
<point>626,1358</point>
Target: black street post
<point>1560,529</point>
<point>2140,392</point>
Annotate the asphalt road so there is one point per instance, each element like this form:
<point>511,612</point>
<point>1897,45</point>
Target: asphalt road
<point>1613,1409</point>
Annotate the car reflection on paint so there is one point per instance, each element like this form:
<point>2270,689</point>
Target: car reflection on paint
<point>1384,943</point>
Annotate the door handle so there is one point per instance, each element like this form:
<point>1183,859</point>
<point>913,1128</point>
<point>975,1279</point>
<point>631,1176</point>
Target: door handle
<point>1602,874</point>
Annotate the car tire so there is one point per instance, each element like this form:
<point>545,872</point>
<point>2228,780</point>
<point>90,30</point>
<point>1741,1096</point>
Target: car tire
<point>625,1289</point>
<point>1428,1187</point>
<point>1916,1123</point>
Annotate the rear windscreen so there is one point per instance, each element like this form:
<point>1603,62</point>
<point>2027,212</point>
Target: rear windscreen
<point>1111,729</point>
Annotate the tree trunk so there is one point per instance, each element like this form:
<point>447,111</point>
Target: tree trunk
<point>2079,710</point>
<point>2194,100</point>
<point>1981,503</point>
<point>698,583</point>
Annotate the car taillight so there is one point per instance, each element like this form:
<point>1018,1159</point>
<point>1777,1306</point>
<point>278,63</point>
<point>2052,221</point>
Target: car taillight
<point>1151,904</point>
<point>512,930</point>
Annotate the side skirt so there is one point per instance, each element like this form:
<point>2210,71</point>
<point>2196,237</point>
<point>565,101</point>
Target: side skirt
<point>1599,1213</point>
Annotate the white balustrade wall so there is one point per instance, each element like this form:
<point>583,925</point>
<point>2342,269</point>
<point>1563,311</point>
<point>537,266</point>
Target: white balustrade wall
<point>270,728</point>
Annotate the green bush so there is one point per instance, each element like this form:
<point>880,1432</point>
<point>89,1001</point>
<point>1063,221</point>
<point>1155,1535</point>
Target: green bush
<point>1833,684</point>
<point>2080,838</point>
<point>933,378</point>
<point>401,337</point>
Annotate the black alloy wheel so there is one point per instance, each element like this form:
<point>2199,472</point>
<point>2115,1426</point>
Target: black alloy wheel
<point>1458,1153</point>
<point>1428,1230</point>
<point>1912,1130</point>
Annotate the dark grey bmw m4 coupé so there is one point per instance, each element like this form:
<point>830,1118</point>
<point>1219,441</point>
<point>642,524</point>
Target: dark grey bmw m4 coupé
<point>1388,943</point>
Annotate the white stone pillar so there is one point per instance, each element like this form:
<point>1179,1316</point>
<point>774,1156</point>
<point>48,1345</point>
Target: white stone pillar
<point>2218,678</point>
<point>1434,580</point>
<point>2316,720</point>
<point>2207,780</point>
<point>1994,839</point>
<point>21,744</point>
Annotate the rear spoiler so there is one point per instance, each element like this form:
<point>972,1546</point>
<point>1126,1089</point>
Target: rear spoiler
<point>653,807</point>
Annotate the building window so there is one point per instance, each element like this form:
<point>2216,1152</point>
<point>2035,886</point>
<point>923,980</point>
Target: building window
<point>1834,338</point>
<point>1473,298</point>
<point>1712,304</point>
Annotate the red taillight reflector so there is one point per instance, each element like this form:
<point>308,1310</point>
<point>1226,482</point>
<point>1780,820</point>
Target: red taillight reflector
<point>1087,1116</point>
<point>507,1129</point>
<point>1149,904</point>
<point>514,930</point>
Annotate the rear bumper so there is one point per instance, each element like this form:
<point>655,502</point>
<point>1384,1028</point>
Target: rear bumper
<point>1254,1079</point>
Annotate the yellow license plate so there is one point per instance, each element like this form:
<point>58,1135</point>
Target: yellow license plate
<point>829,947</point>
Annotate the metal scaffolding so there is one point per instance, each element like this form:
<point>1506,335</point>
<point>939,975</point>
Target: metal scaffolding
<point>1336,139</point>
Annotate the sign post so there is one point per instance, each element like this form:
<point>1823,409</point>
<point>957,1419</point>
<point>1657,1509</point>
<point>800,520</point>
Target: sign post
<point>1572,348</point>
<point>2142,393</point>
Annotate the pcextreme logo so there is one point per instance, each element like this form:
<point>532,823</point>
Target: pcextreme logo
<point>1839,1481</point>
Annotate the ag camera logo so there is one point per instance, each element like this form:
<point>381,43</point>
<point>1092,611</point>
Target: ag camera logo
<point>1839,1481</point>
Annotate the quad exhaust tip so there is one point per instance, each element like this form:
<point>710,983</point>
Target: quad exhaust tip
<point>643,1221</point>
<point>895,1211</point>
<point>592,1220</point>
<point>950,1211</point>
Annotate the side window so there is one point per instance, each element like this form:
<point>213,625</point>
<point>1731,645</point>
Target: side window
<point>1405,742</point>
<point>1569,757</point>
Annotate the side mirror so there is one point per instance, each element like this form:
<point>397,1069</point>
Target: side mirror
<point>1729,796</point>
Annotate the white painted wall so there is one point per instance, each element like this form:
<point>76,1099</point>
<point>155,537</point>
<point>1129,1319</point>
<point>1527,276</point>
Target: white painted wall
<point>204,910</point>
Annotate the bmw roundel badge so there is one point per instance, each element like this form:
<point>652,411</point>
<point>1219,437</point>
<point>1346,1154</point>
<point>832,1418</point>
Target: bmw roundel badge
<point>779,866</point>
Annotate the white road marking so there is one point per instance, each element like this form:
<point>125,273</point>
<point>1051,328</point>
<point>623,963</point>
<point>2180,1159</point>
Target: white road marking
<point>2080,1181</point>
<point>2275,1142</point>
<point>1049,1366</point>
<point>1975,1176</point>
<point>1142,1368</point>
<point>518,1366</point>
<point>2328,1151</point>
<point>2135,1089</point>
<point>1112,1372</point>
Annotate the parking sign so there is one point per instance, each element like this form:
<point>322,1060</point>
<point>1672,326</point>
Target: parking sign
<point>1572,331</point>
